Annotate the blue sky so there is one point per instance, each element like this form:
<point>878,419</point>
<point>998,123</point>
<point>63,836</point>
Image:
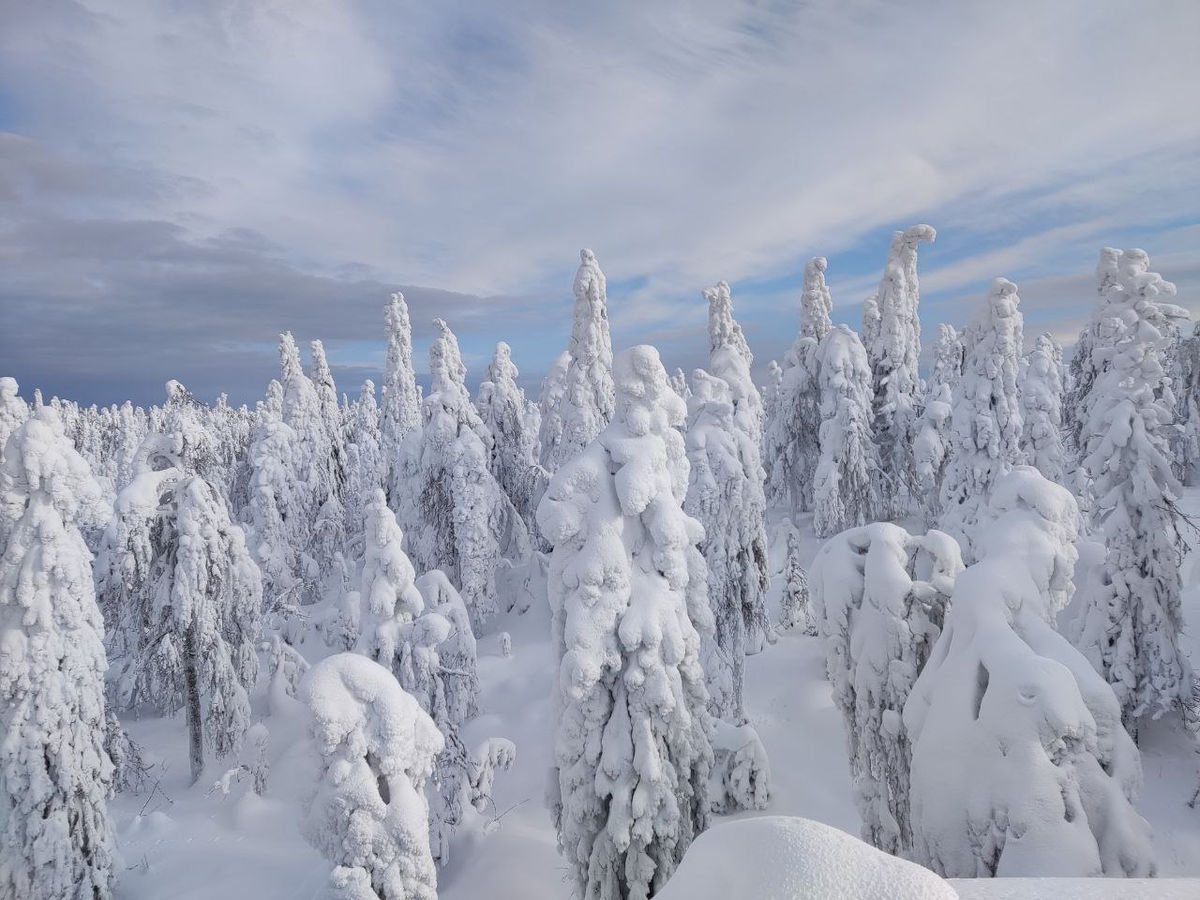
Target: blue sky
<point>181,182</point>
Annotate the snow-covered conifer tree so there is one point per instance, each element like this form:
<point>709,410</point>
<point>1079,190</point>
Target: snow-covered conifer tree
<point>632,736</point>
<point>985,425</point>
<point>1085,365</point>
<point>879,595</point>
<point>13,411</point>
<point>331,414</point>
<point>55,776</point>
<point>587,400</point>
<point>550,404</point>
<point>796,600</point>
<point>932,444</point>
<point>1041,409</point>
<point>894,351</point>
<point>365,462</point>
<point>1020,764</point>
<point>400,413</point>
<point>846,489</point>
<point>791,445</point>
<point>1132,617</point>
<point>368,814</point>
<point>503,408</point>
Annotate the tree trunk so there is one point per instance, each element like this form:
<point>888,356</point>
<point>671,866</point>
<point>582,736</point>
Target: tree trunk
<point>191,663</point>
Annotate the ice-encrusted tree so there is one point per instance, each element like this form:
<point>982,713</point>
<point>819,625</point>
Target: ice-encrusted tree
<point>586,404</point>
<point>632,745</point>
<point>1041,409</point>
<point>730,360</point>
<point>55,775</point>
<point>894,351</point>
<point>368,814</point>
<point>400,413</point>
<point>458,518</point>
<point>1020,764</point>
<point>1132,618</point>
<point>985,425</point>
<point>846,488</point>
<point>879,598</point>
<point>932,444</point>
<point>504,410</point>
<point>550,405</point>
<point>790,442</point>
<point>13,410</point>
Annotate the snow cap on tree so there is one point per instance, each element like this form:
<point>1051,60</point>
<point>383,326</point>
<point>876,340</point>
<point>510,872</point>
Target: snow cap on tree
<point>816,303</point>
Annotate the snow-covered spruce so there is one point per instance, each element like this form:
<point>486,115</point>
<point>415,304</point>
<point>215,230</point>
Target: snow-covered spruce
<point>55,775</point>
<point>13,411</point>
<point>182,596</point>
<point>400,414</point>
<point>364,460</point>
<point>368,813</point>
<point>846,490</point>
<point>932,443</point>
<point>1085,365</point>
<point>1132,619</point>
<point>894,351</point>
<point>879,597</point>
<point>745,548</point>
<point>586,404</point>
<point>1041,409</point>
<point>795,604</point>
<point>1187,404</point>
<point>791,447</point>
<point>458,518</point>
<point>627,589</point>
<point>512,421</point>
<point>1020,764</point>
<point>985,431</point>
<point>550,408</point>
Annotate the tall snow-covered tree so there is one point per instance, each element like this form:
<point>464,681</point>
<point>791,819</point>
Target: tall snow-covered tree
<point>13,410</point>
<point>879,596</point>
<point>587,401</point>
<point>505,412</point>
<point>1041,409</point>
<point>932,444</point>
<point>846,488</point>
<point>366,468</point>
<point>400,413</point>
<point>55,775</point>
<point>627,589</point>
<point>1020,764</point>
<point>550,405</point>
<point>459,519</point>
<point>894,351</point>
<point>1132,618</point>
<point>730,360</point>
<point>368,814</point>
<point>985,425</point>
<point>331,414</point>
<point>1085,365</point>
<point>791,445</point>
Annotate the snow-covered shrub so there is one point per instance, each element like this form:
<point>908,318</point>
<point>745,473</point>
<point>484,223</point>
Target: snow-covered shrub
<point>1020,764</point>
<point>846,490</point>
<point>741,774</point>
<point>368,814</point>
<point>1132,617</point>
<point>1041,409</point>
<point>400,414</point>
<point>790,440</point>
<point>932,442</point>
<point>879,596</point>
<point>985,432</point>
<point>893,351</point>
<point>627,589</point>
<point>55,775</point>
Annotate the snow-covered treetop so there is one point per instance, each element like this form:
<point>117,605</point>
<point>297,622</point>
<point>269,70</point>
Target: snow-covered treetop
<point>723,330</point>
<point>730,359</point>
<point>501,368</point>
<point>44,463</point>
<point>401,406</point>
<point>816,302</point>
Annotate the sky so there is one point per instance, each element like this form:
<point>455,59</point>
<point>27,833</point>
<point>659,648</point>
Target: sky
<point>182,181</point>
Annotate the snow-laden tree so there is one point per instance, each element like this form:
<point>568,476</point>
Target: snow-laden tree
<point>182,595</point>
<point>730,360</point>
<point>55,776</point>
<point>550,405</point>
<point>276,519</point>
<point>932,443</point>
<point>894,351</point>
<point>458,517</point>
<point>846,488</point>
<point>879,598</point>
<point>1041,409</point>
<point>13,410</point>
<point>1020,764</point>
<point>364,460</point>
<point>586,404</point>
<point>985,425</point>
<point>679,384</point>
<point>1187,405</point>
<point>400,411</point>
<point>505,412</point>
<point>1132,618</point>
<point>795,603</point>
<point>790,442</point>
<point>368,814</point>
<point>331,414</point>
<point>1085,366</point>
<point>632,746</point>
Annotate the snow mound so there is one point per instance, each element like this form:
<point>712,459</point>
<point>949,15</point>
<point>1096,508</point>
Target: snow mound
<point>782,858</point>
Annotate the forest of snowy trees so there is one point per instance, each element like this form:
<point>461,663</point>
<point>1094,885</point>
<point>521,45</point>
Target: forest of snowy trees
<point>319,571</point>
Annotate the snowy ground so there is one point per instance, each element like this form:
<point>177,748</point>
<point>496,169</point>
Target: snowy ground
<point>199,844</point>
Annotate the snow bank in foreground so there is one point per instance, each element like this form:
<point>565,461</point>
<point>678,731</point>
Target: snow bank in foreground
<point>780,858</point>
<point>1077,888</point>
